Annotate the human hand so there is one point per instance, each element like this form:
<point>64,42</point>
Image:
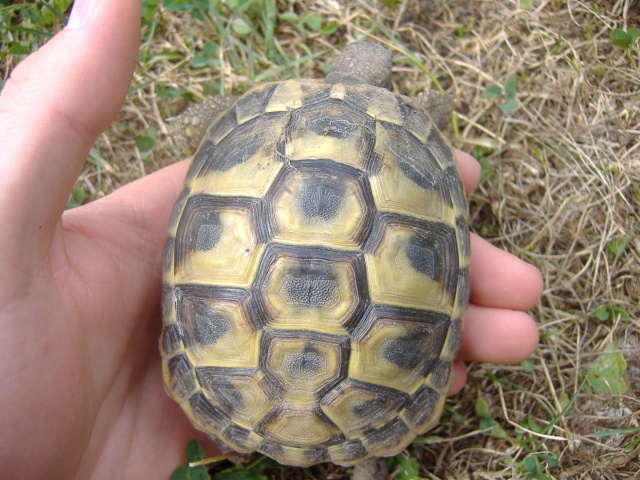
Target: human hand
<point>82,392</point>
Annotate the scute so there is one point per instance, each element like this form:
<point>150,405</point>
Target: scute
<point>392,437</point>
<point>412,263</point>
<point>254,103</point>
<point>358,406</point>
<point>326,131</point>
<point>180,370</point>
<point>409,177</point>
<point>419,413</point>
<point>349,452</point>
<point>229,338</point>
<point>396,347</point>
<point>315,274</point>
<point>205,415</point>
<point>300,426</point>
<point>304,365</point>
<point>247,168</point>
<point>219,241</point>
<point>241,439</point>
<point>417,122</point>
<point>321,201</point>
<point>242,393</point>
<point>310,289</point>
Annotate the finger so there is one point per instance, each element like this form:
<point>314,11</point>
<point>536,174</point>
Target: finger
<point>135,216</point>
<point>495,335</point>
<point>52,108</point>
<point>469,170</point>
<point>459,377</point>
<point>501,280</point>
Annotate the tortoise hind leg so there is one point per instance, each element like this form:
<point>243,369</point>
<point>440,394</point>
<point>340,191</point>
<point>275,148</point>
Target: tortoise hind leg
<point>437,105</point>
<point>191,125</point>
<point>371,469</point>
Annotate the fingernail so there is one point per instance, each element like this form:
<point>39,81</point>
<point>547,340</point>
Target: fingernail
<point>79,13</point>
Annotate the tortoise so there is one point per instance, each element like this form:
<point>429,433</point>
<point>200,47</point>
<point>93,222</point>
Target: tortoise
<point>317,267</point>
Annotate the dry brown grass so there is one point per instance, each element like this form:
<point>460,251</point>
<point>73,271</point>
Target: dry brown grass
<point>563,183</point>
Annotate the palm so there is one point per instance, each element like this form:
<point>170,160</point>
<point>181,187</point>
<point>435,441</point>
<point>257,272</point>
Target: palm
<point>79,294</point>
<point>92,351</point>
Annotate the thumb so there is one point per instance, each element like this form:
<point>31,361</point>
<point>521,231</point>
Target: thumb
<point>52,108</point>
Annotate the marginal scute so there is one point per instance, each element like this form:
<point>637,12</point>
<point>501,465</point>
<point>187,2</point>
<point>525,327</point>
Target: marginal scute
<point>464,240</point>
<point>420,413</point>
<point>416,121</point>
<point>463,291</point>
<point>180,370</point>
<point>305,427</point>
<point>441,151</point>
<point>348,453</point>
<point>393,437</point>
<point>206,415</point>
<point>454,337</point>
<point>170,341</point>
<point>176,212</point>
<point>440,375</point>
<point>241,439</point>
<point>242,394</point>
<point>203,155</point>
<point>168,303</point>
<point>300,456</point>
<point>384,106</point>
<point>254,102</point>
<point>313,456</point>
<point>293,94</point>
<point>338,92</point>
<point>223,127</point>
<point>274,450</point>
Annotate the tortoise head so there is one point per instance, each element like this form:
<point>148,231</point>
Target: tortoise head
<point>362,63</point>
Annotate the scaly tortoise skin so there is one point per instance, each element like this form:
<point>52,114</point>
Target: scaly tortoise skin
<point>316,272</point>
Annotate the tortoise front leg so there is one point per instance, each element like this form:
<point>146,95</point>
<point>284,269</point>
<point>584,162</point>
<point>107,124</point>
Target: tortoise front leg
<point>191,125</point>
<point>437,105</point>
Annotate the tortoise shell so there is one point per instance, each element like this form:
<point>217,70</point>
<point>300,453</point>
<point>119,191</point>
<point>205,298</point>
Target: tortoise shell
<point>316,274</point>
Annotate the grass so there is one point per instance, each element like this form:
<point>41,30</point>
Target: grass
<point>547,96</point>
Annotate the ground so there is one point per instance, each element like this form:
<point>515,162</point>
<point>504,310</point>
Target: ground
<point>551,108</point>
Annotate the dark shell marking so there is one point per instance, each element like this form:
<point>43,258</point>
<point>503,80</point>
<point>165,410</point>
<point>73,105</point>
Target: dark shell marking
<point>316,274</point>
